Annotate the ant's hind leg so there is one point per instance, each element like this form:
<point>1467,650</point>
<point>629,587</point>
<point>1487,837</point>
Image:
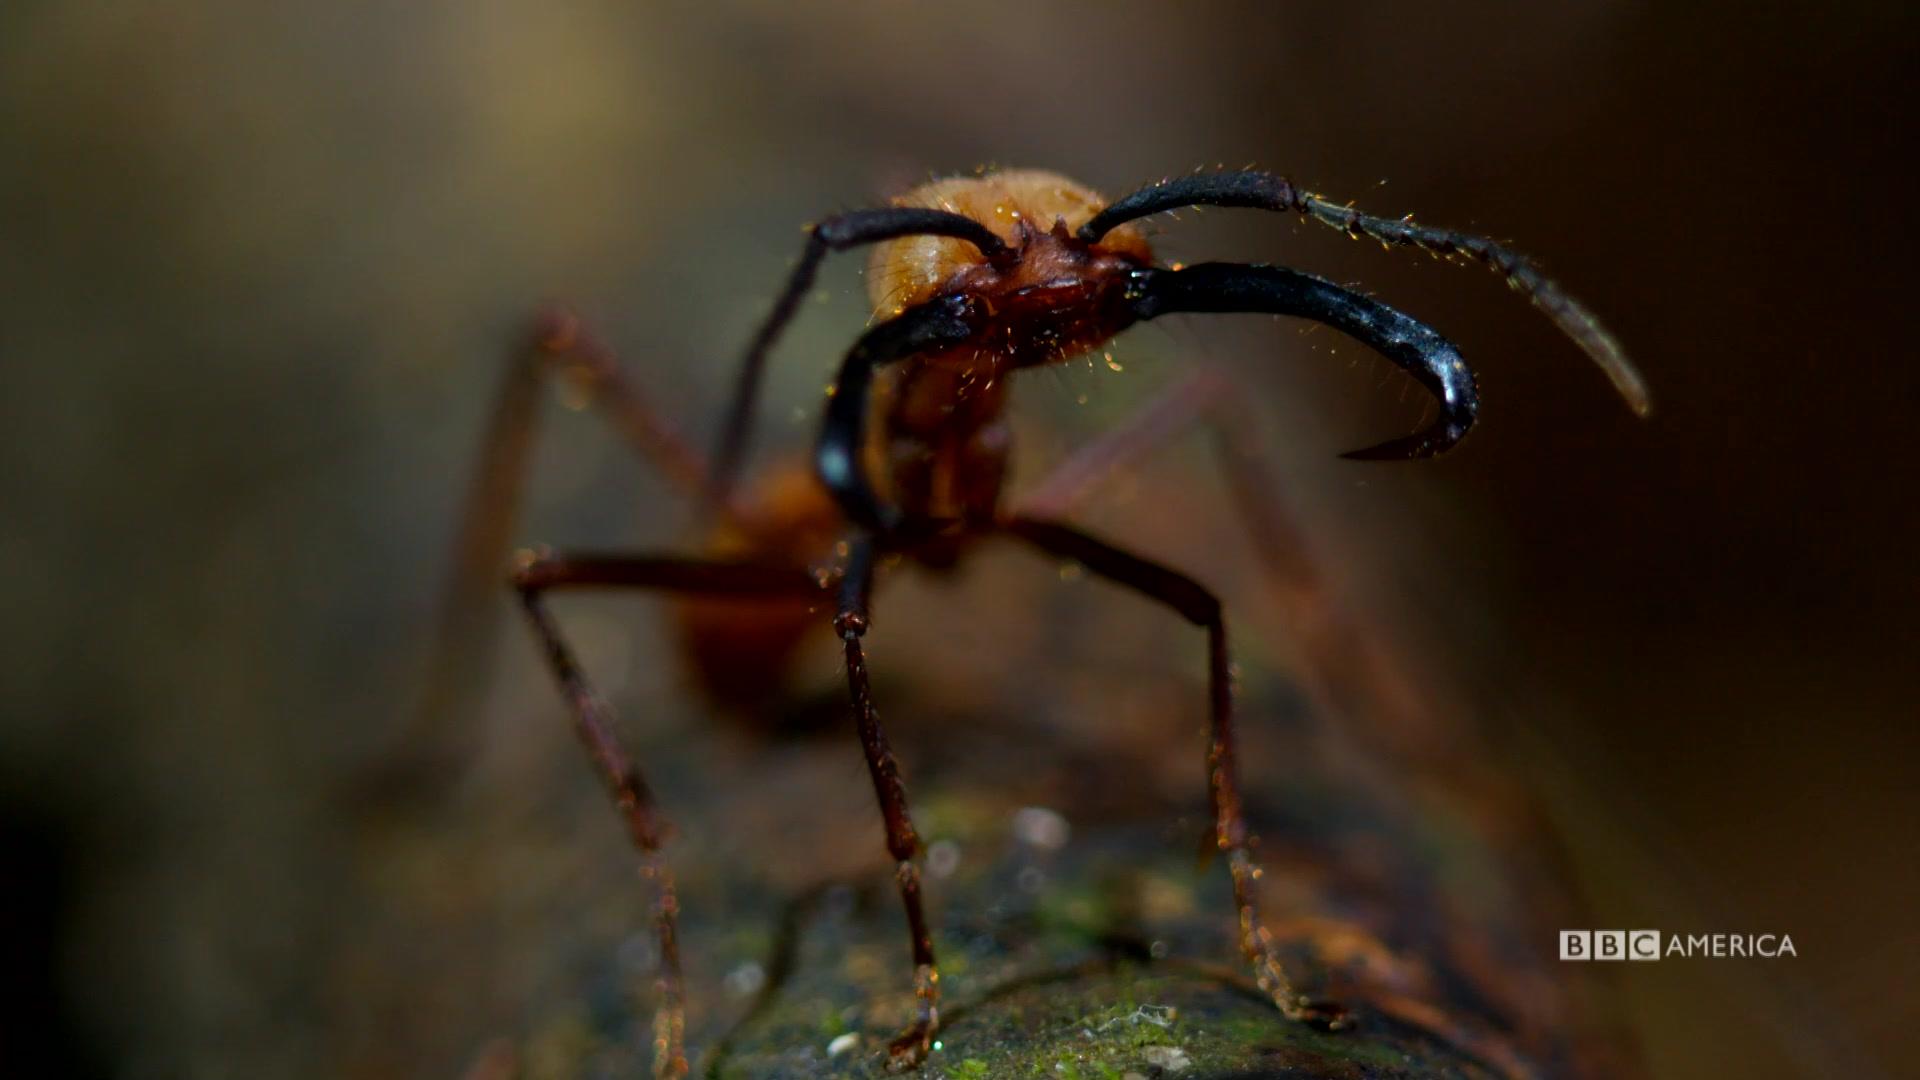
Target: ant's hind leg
<point>912,1046</point>
<point>593,721</point>
<point>1202,608</point>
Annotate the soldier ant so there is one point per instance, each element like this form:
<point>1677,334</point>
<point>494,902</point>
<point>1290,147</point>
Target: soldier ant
<point>973,279</point>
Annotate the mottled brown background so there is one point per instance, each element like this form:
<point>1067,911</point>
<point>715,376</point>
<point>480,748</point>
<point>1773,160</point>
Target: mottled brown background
<point>258,260</point>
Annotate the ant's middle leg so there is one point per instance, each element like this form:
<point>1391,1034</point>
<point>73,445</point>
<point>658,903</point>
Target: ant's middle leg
<point>851,622</point>
<point>1201,607</point>
<point>593,722</point>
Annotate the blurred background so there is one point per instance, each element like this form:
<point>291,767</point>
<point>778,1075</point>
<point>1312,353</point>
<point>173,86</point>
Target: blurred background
<point>261,264</point>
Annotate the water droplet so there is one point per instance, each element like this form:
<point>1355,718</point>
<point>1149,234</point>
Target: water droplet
<point>943,857</point>
<point>745,980</point>
<point>842,1044</point>
<point>1041,827</point>
<point>639,953</point>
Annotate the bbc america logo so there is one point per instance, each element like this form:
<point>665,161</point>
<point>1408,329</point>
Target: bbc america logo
<point>1648,945</point>
<point>1609,944</point>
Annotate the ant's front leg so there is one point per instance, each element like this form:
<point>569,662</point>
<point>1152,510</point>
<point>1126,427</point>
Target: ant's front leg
<point>850,622</point>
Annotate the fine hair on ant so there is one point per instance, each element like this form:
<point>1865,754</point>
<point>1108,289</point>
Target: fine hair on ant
<point>973,279</point>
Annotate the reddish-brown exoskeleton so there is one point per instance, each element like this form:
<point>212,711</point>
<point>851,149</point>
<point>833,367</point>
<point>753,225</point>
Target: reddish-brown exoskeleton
<point>972,279</point>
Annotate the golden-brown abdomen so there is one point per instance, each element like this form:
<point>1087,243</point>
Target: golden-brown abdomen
<point>905,272</point>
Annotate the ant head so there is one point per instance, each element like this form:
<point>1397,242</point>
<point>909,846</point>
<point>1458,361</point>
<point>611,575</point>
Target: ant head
<point>1019,205</point>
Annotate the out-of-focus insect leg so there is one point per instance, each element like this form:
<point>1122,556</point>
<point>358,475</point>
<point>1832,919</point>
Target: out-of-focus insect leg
<point>594,723</point>
<point>1352,667</point>
<point>911,1047</point>
<point>1205,399</point>
<point>555,345</point>
<point>1348,668</point>
<point>1193,399</point>
<point>1202,608</point>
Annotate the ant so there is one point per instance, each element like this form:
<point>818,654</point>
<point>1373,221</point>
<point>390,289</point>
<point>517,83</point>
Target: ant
<point>973,279</point>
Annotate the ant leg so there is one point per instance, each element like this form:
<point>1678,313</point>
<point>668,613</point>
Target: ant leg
<point>593,722</point>
<point>1347,668</point>
<point>563,346</point>
<point>1202,608</point>
<point>911,1047</point>
<point>1279,542</point>
<point>555,344</point>
<point>1206,398</point>
<point>1197,397</point>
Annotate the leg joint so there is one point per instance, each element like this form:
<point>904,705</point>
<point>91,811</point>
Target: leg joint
<point>534,570</point>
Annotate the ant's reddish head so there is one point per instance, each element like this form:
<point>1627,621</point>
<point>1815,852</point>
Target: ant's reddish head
<point>1051,295</point>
